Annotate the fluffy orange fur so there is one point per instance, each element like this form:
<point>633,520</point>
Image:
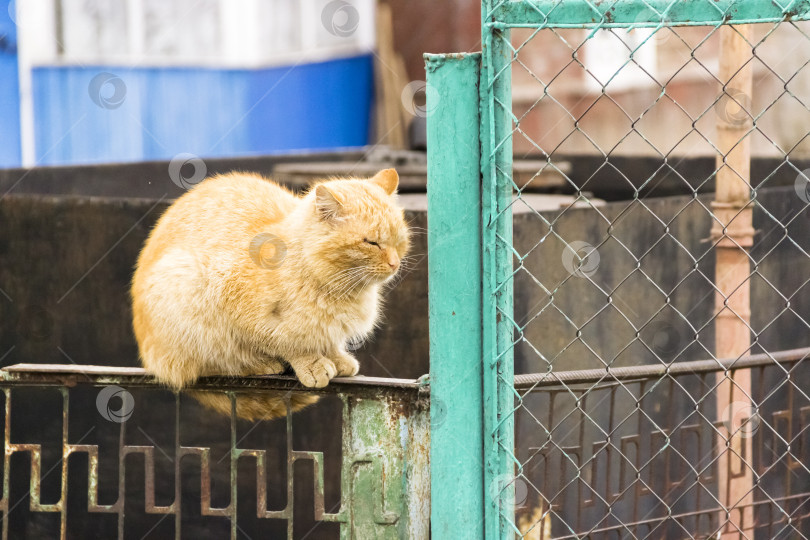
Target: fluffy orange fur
<point>241,276</point>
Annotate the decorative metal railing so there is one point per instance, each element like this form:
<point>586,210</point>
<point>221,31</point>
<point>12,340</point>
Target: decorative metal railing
<point>383,489</point>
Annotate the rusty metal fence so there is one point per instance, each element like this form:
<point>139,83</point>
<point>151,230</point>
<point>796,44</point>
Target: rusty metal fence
<point>659,345</point>
<point>161,482</point>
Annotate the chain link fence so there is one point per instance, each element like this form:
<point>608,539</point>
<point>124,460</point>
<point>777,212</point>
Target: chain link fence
<point>660,343</point>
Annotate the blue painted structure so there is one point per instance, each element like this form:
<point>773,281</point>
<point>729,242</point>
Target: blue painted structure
<point>203,111</point>
<point>10,149</point>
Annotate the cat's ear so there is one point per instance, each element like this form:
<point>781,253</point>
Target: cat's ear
<point>387,179</point>
<point>327,203</point>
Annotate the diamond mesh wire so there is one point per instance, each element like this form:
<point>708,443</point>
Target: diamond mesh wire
<point>650,269</point>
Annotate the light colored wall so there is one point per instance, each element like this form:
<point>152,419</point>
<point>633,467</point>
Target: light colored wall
<point>208,77</point>
<point>633,108</point>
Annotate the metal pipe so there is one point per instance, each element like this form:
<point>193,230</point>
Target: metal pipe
<point>498,298</point>
<point>733,234</point>
<point>656,371</point>
<point>73,374</point>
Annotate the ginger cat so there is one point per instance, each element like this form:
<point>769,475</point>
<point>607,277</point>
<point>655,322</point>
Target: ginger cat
<point>241,276</point>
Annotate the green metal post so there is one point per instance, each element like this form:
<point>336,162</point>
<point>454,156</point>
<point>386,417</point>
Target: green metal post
<point>454,288</point>
<point>384,478</point>
<point>497,314</point>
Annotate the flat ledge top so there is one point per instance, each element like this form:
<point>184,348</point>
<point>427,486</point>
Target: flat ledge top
<point>72,374</point>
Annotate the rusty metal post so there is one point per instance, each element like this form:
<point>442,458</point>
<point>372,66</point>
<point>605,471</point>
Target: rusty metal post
<point>733,233</point>
<point>385,481</point>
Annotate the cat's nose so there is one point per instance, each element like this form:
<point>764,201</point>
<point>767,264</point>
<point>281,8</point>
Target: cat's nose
<point>392,258</point>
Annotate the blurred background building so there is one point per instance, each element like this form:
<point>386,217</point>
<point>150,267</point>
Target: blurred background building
<point>210,77</point>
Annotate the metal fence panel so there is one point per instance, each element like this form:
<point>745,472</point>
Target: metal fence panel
<point>654,397</point>
<point>384,459</point>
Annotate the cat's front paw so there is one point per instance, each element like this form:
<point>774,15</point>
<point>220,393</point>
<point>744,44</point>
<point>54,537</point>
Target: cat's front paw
<point>314,374</point>
<point>347,365</point>
<point>273,367</point>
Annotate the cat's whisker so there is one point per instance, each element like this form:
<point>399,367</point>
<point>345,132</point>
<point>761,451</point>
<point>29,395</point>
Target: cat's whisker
<point>346,288</point>
<point>404,271</point>
<point>356,272</point>
<point>409,265</point>
<point>348,281</point>
<point>394,282</point>
<point>340,278</point>
<point>362,280</point>
<point>336,280</point>
<point>342,275</point>
<point>344,285</point>
<point>348,270</point>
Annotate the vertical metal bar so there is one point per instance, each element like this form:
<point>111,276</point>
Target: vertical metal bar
<point>178,456</point>
<point>291,470</point>
<point>454,291</point>
<point>497,313</point>
<point>65,453</point>
<point>733,232</point>
<point>6,463</point>
<point>234,457</point>
<point>122,501</point>
<point>607,452</point>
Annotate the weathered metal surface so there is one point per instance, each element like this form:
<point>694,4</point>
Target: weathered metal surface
<point>385,460</point>
<point>454,288</point>
<point>381,454</point>
<point>71,374</point>
<point>498,292</point>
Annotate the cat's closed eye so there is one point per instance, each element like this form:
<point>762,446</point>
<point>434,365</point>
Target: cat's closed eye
<point>373,243</point>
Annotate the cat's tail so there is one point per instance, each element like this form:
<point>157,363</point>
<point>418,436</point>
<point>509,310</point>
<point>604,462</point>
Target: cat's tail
<point>254,406</point>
